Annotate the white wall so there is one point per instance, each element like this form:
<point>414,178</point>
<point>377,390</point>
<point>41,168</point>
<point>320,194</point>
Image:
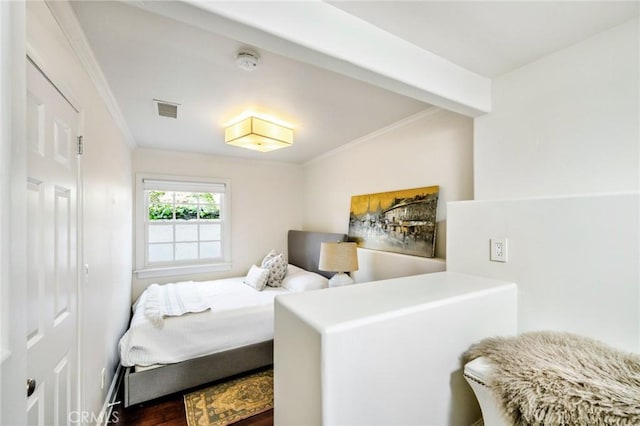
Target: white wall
<point>430,148</point>
<point>265,203</point>
<point>105,295</point>
<point>575,260</point>
<point>566,124</point>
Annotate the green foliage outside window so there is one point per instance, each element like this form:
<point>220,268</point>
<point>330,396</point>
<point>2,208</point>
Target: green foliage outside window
<point>187,206</point>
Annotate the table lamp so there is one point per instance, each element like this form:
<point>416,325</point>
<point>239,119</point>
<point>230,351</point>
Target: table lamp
<point>339,257</point>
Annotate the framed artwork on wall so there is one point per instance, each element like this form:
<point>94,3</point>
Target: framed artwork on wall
<point>401,221</point>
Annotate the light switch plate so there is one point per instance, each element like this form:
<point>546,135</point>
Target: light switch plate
<point>498,250</point>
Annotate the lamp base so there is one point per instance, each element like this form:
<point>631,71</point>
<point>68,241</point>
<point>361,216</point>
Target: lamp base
<point>340,279</point>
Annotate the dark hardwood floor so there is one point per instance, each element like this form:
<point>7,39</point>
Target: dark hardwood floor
<point>169,411</point>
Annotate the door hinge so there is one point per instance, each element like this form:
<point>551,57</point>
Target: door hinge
<point>80,146</point>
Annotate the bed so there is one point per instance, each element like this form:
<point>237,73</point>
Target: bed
<point>153,376</point>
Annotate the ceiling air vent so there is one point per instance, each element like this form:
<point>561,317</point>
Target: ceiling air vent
<point>166,109</point>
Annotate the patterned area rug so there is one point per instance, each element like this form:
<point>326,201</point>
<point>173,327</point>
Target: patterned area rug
<point>232,401</point>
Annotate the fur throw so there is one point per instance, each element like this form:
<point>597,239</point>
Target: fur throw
<point>552,378</point>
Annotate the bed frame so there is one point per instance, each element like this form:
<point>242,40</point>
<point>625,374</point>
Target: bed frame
<point>303,251</point>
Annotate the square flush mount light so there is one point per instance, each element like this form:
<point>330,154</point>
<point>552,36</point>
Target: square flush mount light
<point>258,134</point>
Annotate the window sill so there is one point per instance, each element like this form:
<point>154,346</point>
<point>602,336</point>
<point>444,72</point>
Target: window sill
<point>181,270</point>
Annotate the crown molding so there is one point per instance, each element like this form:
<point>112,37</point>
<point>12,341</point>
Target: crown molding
<point>68,22</point>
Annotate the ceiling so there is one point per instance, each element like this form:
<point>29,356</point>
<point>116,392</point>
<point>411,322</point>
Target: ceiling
<point>493,37</point>
<point>146,55</point>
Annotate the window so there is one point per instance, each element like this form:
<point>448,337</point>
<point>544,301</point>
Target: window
<point>182,225</point>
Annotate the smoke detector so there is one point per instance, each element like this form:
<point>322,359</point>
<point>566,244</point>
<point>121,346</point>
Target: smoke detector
<point>247,59</point>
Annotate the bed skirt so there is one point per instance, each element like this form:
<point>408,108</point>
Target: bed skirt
<point>149,384</point>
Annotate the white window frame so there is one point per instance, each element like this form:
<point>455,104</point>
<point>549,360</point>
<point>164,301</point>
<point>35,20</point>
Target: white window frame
<point>141,218</point>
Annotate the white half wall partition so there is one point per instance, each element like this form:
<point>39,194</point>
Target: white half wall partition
<point>385,352</point>
<point>380,265</point>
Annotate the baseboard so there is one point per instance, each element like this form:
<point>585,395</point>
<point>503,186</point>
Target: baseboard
<point>110,400</point>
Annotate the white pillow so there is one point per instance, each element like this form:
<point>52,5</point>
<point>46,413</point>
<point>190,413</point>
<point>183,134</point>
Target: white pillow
<point>257,277</point>
<point>277,266</point>
<point>298,279</point>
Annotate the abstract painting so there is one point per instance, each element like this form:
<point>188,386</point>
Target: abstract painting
<point>396,221</point>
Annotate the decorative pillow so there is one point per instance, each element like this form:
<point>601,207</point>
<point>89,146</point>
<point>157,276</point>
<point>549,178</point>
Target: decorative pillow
<point>298,279</point>
<point>269,256</point>
<point>257,277</point>
<point>277,266</point>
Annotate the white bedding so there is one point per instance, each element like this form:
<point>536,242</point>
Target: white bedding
<point>239,316</point>
<point>173,300</point>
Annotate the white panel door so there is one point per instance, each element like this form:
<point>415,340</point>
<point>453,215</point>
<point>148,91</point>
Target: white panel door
<point>52,164</point>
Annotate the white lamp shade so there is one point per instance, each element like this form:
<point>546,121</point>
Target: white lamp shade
<point>338,257</point>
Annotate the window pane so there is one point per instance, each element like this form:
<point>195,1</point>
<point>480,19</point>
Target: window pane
<point>186,198</point>
<point>160,252</point>
<point>160,233</point>
<point>209,205</point>
<point>186,251</point>
<point>209,211</point>
<point>160,205</point>
<point>210,250</point>
<point>187,232</point>
<point>186,212</point>
<point>210,197</point>
<point>165,197</point>
<point>210,232</point>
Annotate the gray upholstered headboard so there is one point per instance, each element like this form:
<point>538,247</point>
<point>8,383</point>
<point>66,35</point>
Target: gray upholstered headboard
<point>304,248</point>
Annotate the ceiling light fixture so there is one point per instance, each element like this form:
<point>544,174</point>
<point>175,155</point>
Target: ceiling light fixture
<point>258,134</point>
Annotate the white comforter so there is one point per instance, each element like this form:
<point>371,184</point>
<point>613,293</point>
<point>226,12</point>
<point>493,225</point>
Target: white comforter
<point>239,316</point>
<point>172,300</point>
